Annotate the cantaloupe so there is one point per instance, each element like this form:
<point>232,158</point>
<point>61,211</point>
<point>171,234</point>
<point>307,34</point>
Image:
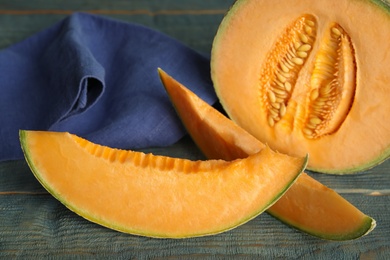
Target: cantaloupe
<point>156,196</point>
<point>308,205</point>
<point>310,77</point>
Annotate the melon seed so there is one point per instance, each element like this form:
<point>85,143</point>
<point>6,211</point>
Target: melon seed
<point>304,38</point>
<point>310,22</point>
<point>290,64</point>
<point>297,45</point>
<point>271,121</point>
<point>336,31</point>
<point>279,92</point>
<point>315,120</point>
<point>318,103</point>
<point>323,99</point>
<point>308,29</point>
<point>282,110</point>
<point>301,54</point>
<point>311,126</point>
<point>297,60</point>
<point>308,132</point>
<point>272,97</point>
<point>279,84</point>
<point>280,78</point>
<point>314,94</point>
<point>304,47</point>
<point>273,112</point>
<point>284,67</point>
<point>288,86</point>
<point>276,105</point>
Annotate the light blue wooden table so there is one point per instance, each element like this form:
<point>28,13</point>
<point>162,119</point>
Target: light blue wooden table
<point>33,225</point>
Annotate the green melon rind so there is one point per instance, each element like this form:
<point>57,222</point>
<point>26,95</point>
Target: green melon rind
<point>363,167</point>
<point>365,228</point>
<point>23,135</point>
<point>382,4</point>
<point>360,168</point>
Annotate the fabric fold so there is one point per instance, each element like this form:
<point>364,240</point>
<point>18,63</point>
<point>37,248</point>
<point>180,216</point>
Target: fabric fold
<point>96,77</point>
<point>90,89</point>
<point>72,68</point>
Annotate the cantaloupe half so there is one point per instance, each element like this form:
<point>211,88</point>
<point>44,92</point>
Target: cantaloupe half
<point>308,205</point>
<point>310,77</point>
<point>157,196</point>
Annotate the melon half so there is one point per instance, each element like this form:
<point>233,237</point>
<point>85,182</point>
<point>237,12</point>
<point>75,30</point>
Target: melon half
<point>309,77</point>
<point>157,196</point>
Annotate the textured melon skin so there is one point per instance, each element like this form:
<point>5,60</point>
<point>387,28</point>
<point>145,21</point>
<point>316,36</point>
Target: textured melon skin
<point>308,205</point>
<point>379,155</point>
<point>382,4</point>
<point>72,186</point>
<point>356,169</point>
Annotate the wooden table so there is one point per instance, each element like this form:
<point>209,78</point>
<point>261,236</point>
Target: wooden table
<point>35,225</point>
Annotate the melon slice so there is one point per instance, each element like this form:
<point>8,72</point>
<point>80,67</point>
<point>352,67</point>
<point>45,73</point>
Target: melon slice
<point>308,205</point>
<point>309,77</point>
<point>156,196</point>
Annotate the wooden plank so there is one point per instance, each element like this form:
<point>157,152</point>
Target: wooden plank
<point>26,5</point>
<point>191,22</point>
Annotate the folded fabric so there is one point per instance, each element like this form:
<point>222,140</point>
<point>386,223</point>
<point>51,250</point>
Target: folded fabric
<point>96,77</point>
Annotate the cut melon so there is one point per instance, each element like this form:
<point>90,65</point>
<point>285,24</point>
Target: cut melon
<point>308,205</point>
<point>309,77</point>
<point>156,196</point>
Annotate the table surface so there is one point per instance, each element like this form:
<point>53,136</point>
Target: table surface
<point>35,225</point>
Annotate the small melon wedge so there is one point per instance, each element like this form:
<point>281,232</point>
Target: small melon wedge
<point>156,196</point>
<point>308,205</point>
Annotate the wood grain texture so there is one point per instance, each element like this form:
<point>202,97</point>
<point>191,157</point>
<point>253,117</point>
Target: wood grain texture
<point>192,22</point>
<point>33,225</point>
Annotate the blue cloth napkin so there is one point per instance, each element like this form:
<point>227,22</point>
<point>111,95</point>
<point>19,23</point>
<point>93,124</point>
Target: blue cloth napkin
<point>96,77</point>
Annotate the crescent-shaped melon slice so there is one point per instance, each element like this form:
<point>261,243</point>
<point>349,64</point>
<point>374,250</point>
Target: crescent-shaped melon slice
<point>308,205</point>
<point>156,196</point>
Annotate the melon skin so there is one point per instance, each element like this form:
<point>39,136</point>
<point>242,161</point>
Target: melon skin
<point>308,205</point>
<point>155,196</point>
<point>239,52</point>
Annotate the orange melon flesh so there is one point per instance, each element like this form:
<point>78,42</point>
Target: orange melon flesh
<point>308,205</point>
<point>156,196</point>
<point>243,47</point>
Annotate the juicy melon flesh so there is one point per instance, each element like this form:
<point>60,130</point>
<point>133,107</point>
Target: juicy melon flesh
<point>308,205</point>
<point>156,196</point>
<point>308,77</point>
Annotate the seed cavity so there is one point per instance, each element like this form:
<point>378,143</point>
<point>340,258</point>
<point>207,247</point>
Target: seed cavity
<point>283,64</point>
<point>329,90</point>
<point>333,83</point>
